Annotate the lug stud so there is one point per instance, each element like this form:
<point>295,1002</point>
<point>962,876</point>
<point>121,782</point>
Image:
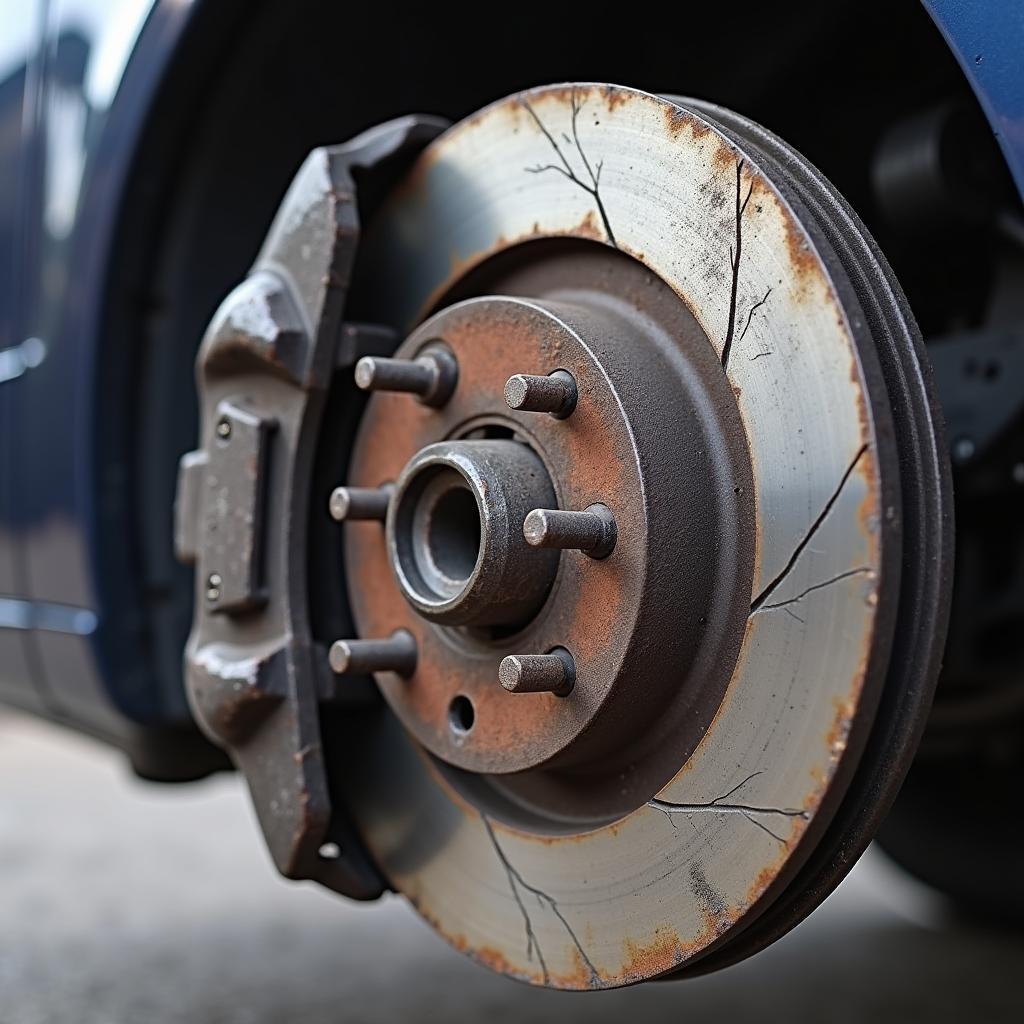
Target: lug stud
<point>555,394</point>
<point>432,376</point>
<point>539,673</point>
<point>592,531</point>
<point>351,503</point>
<point>397,653</point>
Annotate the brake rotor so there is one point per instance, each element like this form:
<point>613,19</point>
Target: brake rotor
<point>738,403</point>
<point>646,533</point>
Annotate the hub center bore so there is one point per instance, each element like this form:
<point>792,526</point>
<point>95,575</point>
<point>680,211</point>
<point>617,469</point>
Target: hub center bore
<point>447,534</point>
<point>455,533</point>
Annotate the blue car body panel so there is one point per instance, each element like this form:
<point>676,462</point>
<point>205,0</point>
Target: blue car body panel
<point>92,70</point>
<point>987,38</point>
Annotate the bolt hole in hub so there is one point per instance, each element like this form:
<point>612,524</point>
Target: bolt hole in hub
<point>445,533</point>
<point>454,538</point>
<point>461,715</point>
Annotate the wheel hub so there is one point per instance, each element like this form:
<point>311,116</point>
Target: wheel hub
<point>644,469</point>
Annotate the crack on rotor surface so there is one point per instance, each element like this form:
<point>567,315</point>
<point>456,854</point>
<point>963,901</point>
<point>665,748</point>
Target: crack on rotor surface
<point>718,806</point>
<point>859,571</point>
<point>515,881</point>
<point>531,938</point>
<point>566,169</point>
<point>759,601</point>
<point>735,252</point>
<point>750,315</point>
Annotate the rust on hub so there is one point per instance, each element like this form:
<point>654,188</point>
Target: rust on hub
<point>472,561</point>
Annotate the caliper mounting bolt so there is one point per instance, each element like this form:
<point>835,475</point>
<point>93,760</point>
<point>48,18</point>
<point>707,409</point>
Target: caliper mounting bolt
<point>396,653</point>
<point>539,673</point>
<point>555,394</point>
<point>351,503</point>
<point>592,531</point>
<point>431,376</point>
<point>214,582</point>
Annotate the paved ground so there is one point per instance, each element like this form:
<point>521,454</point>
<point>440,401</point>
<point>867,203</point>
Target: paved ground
<point>122,902</point>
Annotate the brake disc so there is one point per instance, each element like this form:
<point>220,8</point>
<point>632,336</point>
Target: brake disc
<point>646,539</point>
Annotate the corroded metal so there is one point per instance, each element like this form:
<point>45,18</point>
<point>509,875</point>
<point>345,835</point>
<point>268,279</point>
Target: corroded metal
<point>555,393</point>
<point>714,842</point>
<point>608,612</point>
<point>924,534</point>
<point>539,673</point>
<point>729,653</point>
<point>253,673</point>
<point>455,538</point>
<point>592,531</point>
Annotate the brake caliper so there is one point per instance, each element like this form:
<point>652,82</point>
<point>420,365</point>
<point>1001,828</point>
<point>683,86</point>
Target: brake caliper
<point>253,674</point>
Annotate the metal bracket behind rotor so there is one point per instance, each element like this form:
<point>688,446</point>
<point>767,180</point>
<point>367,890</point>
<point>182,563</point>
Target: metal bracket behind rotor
<point>242,510</point>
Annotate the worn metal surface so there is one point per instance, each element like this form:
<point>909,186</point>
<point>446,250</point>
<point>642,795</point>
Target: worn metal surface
<point>431,376</point>
<point>699,860</point>
<point>539,673</point>
<point>230,508</point>
<point>729,650</point>
<point>668,462</point>
<point>898,366</point>
<point>592,531</point>
<point>268,357</point>
<point>555,393</point>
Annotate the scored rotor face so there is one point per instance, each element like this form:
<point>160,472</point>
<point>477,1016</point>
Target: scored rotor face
<point>631,186</point>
